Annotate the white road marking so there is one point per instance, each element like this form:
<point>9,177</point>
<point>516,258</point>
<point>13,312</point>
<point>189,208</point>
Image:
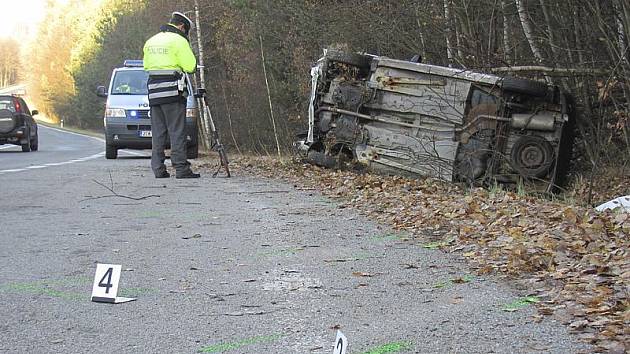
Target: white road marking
<point>73,133</point>
<point>13,170</point>
<point>83,159</point>
<point>134,153</point>
<point>52,164</point>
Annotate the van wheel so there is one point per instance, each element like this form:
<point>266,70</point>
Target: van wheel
<point>111,152</point>
<point>528,87</point>
<point>532,156</point>
<point>192,152</point>
<point>35,143</point>
<point>26,147</point>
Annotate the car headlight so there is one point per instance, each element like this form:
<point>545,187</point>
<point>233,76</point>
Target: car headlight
<point>115,113</point>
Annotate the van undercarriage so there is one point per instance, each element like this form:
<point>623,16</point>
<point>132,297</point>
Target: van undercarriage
<point>400,117</point>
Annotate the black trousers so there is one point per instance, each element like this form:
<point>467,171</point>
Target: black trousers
<point>169,120</point>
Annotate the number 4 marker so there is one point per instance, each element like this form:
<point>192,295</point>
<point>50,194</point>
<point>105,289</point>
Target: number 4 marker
<point>341,343</point>
<point>105,286</point>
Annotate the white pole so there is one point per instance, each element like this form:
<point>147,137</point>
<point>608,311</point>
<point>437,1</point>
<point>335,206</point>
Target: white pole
<point>202,78</point>
<point>273,120</point>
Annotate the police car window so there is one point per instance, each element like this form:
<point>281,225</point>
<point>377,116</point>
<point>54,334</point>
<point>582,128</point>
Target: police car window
<point>130,82</point>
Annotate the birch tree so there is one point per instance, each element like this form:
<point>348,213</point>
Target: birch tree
<point>448,32</point>
<point>528,29</point>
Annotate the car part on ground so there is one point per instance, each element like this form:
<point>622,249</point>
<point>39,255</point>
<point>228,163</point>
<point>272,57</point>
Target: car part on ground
<point>17,125</point>
<point>409,118</point>
<point>621,204</point>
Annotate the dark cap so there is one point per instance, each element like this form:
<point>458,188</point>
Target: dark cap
<point>178,18</point>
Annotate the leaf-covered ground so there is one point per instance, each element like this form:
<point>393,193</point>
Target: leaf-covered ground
<point>574,260</point>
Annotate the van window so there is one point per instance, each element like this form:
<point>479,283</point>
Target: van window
<point>7,103</point>
<point>130,82</point>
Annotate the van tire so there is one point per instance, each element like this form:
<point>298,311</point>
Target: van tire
<point>26,147</point>
<point>111,152</point>
<point>354,59</point>
<point>528,87</point>
<point>532,156</point>
<point>35,143</point>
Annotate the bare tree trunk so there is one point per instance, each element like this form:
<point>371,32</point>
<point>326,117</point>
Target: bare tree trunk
<point>550,30</point>
<point>448,31</point>
<point>625,19</point>
<point>458,39</point>
<point>507,42</point>
<point>423,50</point>
<point>566,39</point>
<point>528,30</point>
<point>492,33</point>
<point>621,32</point>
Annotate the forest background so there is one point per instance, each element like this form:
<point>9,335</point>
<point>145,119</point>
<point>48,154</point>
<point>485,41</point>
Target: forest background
<point>581,45</point>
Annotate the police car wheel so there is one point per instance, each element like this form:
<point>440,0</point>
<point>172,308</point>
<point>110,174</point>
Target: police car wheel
<point>111,152</point>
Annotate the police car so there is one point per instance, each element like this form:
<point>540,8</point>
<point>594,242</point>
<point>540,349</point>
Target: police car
<point>127,117</point>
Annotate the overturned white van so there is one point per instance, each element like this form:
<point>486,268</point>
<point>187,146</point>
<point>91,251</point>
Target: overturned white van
<point>403,117</point>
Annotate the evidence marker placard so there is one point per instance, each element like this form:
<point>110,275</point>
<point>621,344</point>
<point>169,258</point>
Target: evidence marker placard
<point>341,343</point>
<point>105,287</point>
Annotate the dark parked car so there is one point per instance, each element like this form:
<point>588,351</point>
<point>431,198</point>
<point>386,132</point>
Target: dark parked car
<point>17,125</point>
<point>404,117</point>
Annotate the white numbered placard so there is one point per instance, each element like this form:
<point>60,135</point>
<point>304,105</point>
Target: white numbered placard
<point>341,343</point>
<point>105,287</point>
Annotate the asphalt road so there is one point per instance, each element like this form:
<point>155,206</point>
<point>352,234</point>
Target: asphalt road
<point>240,265</point>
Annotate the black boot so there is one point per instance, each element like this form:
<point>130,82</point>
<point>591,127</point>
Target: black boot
<point>188,174</point>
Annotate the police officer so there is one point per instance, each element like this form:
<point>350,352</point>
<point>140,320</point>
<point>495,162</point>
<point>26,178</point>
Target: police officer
<point>123,85</point>
<point>167,56</point>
